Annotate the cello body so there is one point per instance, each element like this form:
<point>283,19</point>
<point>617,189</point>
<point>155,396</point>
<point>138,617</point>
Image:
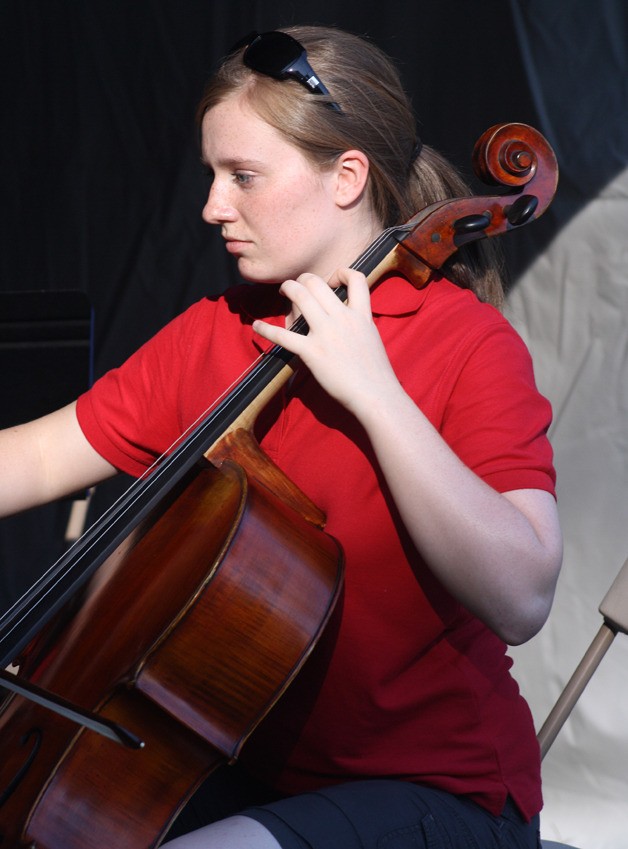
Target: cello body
<point>186,636</point>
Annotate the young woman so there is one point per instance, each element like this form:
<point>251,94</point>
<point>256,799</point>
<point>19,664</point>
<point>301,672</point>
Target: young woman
<point>413,421</point>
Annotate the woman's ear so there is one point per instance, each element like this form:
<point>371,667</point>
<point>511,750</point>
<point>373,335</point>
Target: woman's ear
<point>352,170</point>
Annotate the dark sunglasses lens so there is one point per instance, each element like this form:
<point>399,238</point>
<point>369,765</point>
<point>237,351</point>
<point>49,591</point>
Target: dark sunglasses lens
<point>271,53</point>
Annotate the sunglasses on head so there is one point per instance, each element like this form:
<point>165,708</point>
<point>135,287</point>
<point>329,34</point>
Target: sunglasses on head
<point>278,55</point>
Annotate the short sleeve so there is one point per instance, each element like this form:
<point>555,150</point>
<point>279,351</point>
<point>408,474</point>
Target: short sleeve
<point>495,419</point>
<point>131,414</point>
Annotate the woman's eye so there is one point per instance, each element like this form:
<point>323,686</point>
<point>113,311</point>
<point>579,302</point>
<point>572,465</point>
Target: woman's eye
<point>242,179</point>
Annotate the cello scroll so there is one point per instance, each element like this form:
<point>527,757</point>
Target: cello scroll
<point>513,155</point>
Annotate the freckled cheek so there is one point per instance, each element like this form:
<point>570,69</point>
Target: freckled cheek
<point>287,217</point>
<point>280,221</point>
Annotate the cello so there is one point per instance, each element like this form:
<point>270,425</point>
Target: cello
<point>177,621</point>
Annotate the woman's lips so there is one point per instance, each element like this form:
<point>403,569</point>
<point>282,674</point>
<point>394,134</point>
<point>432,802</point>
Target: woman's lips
<point>235,246</point>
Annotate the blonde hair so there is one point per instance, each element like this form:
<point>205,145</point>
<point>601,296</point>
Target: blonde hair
<point>377,118</point>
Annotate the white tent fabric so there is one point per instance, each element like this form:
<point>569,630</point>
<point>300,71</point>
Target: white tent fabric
<point>571,306</point>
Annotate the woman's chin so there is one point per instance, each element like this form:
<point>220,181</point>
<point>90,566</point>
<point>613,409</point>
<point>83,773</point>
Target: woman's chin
<point>252,274</point>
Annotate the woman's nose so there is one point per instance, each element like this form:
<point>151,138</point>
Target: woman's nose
<point>217,209</point>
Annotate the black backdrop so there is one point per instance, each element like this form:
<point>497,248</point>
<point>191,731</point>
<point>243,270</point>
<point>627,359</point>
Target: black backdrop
<point>101,189</point>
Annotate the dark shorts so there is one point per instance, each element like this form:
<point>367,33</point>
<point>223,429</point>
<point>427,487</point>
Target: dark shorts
<point>383,814</point>
<point>373,814</point>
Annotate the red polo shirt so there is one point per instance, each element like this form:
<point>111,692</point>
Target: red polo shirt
<point>406,683</point>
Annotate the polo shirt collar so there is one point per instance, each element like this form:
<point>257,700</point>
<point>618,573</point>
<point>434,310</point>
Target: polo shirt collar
<point>395,296</point>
